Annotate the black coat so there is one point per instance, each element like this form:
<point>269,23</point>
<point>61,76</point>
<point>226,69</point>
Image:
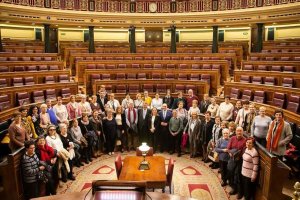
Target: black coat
<point>206,131</point>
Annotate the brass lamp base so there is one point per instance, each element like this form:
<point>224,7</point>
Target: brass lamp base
<point>144,165</point>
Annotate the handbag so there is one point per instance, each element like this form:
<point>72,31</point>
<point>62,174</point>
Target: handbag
<point>231,164</point>
<point>41,176</point>
<point>84,142</point>
<point>184,140</point>
<point>213,156</point>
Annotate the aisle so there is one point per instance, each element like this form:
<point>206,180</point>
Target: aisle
<point>191,177</point>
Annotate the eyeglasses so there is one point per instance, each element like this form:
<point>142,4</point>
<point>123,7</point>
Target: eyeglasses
<point>52,129</point>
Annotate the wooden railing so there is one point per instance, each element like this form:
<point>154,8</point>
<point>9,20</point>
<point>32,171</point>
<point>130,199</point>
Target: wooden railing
<point>140,6</point>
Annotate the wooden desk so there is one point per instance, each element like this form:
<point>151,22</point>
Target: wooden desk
<point>155,176</point>
<point>81,195</point>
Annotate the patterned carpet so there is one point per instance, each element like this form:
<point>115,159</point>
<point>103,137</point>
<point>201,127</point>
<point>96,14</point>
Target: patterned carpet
<point>191,177</point>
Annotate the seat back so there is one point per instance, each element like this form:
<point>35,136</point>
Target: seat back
<point>49,79</point>
<point>161,88</point>
<point>248,67</point>
<point>118,165</point>
<point>206,66</point>
<point>131,76</point>
<point>293,103</point>
<point>287,82</point>
<point>120,76</point>
<point>23,98</point>
<point>100,66</point>
<point>18,81</point>
<point>170,66</point>
<point>38,96</point>
<point>182,76</point>
<point>105,77</point>
<point>148,66</point>
<point>19,68</point>
<point>122,66</point>
<point>65,92</point>
<point>31,68</point>
<point>53,67</point>
<point>247,95</point>
<point>149,153</point>
<point>3,69</point>
<point>3,82</point>
<point>259,96</point>
<point>235,93</point>
<point>29,80</point>
<point>257,79</point>
<point>195,66</point>
<point>156,76</point>
<point>270,81</point>
<point>279,99</point>
<point>245,79</point>
<point>148,87</point>
<point>262,68</point>
<point>4,102</point>
<point>276,68</point>
<point>179,88</point>
<point>133,88</point>
<point>141,76</point>
<point>194,77</point>
<point>50,94</point>
<point>157,66</point>
<point>63,78</point>
<point>43,68</point>
<point>170,76</point>
<point>288,68</point>
<point>91,66</point>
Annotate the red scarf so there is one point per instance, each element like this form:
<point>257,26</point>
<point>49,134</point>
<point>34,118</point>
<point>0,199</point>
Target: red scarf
<point>47,152</point>
<point>277,135</point>
<point>129,116</point>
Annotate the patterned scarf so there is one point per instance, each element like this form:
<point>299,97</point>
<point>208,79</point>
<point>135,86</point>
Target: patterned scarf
<point>276,137</point>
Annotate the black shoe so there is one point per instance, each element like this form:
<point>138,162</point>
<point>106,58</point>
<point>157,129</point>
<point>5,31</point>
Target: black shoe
<point>224,183</point>
<point>171,152</point>
<point>72,178</point>
<point>87,161</point>
<point>233,192</point>
<point>179,155</point>
<point>207,161</point>
<point>240,196</point>
<point>211,165</point>
<point>64,180</point>
<point>81,164</point>
<point>215,167</point>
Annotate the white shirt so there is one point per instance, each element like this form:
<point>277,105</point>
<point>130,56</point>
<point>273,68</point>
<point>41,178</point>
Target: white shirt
<point>113,104</point>
<point>191,110</point>
<point>126,102</point>
<point>240,118</point>
<point>55,142</point>
<point>152,122</point>
<point>156,103</point>
<point>61,112</point>
<point>225,111</point>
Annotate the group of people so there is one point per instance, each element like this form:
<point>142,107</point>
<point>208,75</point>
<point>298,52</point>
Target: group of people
<point>67,135</point>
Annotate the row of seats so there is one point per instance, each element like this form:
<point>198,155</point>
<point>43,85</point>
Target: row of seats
<point>26,58</point>
<point>13,50</point>
<point>276,68</point>
<point>270,58</point>
<point>280,50</point>
<point>286,82</point>
<point>279,99</point>
<point>167,76</point>
<point>154,66</point>
<point>30,68</point>
<point>159,88</point>
<point>19,81</point>
<point>39,96</point>
<point>150,58</point>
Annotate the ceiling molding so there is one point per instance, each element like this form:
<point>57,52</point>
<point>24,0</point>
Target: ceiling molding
<point>24,14</point>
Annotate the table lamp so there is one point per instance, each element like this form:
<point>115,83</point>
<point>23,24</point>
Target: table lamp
<point>144,148</point>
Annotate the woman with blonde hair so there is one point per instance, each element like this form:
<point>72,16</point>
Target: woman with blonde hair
<point>44,118</point>
<point>138,102</point>
<point>121,131</point>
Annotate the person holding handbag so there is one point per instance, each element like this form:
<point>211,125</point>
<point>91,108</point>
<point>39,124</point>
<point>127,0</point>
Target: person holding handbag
<point>221,149</point>
<point>236,147</point>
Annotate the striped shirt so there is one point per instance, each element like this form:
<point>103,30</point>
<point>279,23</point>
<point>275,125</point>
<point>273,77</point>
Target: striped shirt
<point>30,168</point>
<point>250,163</point>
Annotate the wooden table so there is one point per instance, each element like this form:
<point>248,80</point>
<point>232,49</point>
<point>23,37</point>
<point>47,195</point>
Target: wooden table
<point>155,176</point>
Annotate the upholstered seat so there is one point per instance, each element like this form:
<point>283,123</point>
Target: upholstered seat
<point>161,88</point>
<point>105,77</point>
<point>257,79</point>
<point>235,93</point>
<point>38,96</point>
<point>279,99</point>
<point>245,79</point>
<point>29,80</point>
<point>91,66</point>
<point>23,98</point>
<point>49,79</point>
<point>205,77</point>
<point>4,103</point>
<point>3,82</point>
<point>18,81</point>
<point>63,78</point>
<point>270,81</point>
<point>65,92</point>
<point>133,88</point>
<point>293,103</point>
<point>206,66</point>
<point>156,76</point>
<point>120,76</point>
<point>248,67</point>
<point>247,95</point>
<point>53,67</point>
<point>259,96</point>
<point>169,76</point>
<point>50,94</point>
<point>287,82</point>
<point>121,89</point>
<point>194,77</point>
<point>148,87</point>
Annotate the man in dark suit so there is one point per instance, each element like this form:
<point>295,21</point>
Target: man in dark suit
<point>165,116</point>
<point>143,115</point>
<point>206,134</point>
<point>101,100</point>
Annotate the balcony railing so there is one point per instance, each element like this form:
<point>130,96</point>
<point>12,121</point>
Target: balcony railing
<point>143,6</point>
